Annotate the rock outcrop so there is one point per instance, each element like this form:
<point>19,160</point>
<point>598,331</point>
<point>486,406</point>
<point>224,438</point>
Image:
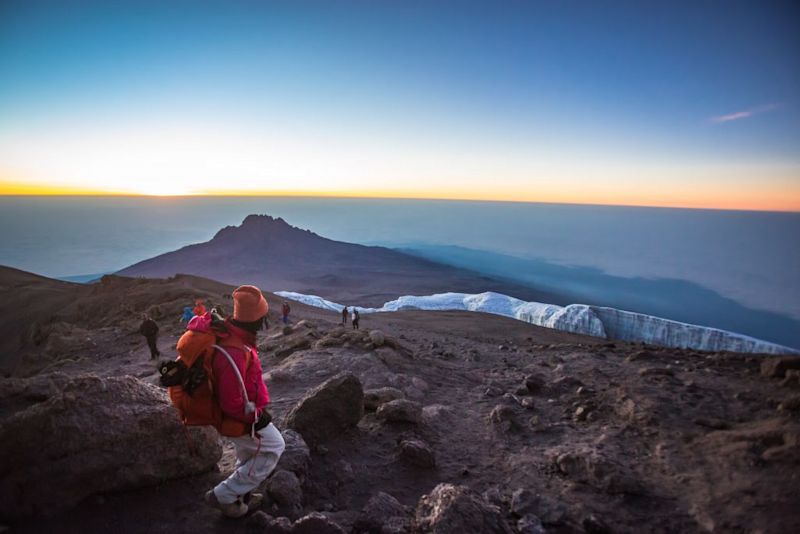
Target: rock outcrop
<point>333,406</point>
<point>95,435</point>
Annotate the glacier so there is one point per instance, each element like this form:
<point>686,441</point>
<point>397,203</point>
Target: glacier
<point>596,321</point>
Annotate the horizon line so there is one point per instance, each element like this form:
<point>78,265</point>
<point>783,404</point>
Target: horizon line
<point>296,195</point>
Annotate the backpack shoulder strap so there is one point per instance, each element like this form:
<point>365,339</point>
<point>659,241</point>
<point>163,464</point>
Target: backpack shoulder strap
<point>250,406</point>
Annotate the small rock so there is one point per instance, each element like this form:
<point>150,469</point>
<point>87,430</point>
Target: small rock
<point>502,418</point>
<point>450,509</point>
<point>284,488</point>
<point>260,522</point>
<point>522,391</point>
<point>373,398</point>
<point>641,355</point>
<point>377,338</point>
<point>530,524</point>
<point>790,404</point>
<point>400,411</point>
<point>546,509</point>
<point>492,391</point>
<point>418,453</point>
<point>494,496</point>
<point>527,403</point>
<point>792,378</point>
<point>380,508</point>
<point>534,384</point>
<point>286,330</point>
<point>316,523</point>
<point>776,366</point>
<point>580,413</point>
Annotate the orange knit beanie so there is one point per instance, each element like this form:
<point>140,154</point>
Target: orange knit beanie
<point>249,304</point>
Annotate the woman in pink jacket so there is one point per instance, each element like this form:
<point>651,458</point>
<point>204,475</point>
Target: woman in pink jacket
<point>242,396</point>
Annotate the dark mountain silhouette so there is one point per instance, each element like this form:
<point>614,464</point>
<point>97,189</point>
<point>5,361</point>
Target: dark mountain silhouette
<point>270,253</point>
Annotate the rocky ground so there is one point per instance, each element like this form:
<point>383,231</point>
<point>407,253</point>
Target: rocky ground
<point>420,422</point>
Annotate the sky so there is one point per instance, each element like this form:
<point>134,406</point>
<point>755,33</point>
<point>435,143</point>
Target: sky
<point>692,104</point>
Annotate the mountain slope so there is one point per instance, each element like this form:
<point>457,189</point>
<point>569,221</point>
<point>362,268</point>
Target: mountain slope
<point>270,253</point>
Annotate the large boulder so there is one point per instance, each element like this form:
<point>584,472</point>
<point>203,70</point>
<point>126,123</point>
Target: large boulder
<point>96,435</point>
<point>450,509</point>
<point>333,406</point>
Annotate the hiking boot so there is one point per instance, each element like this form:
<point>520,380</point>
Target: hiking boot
<point>253,501</point>
<point>235,509</point>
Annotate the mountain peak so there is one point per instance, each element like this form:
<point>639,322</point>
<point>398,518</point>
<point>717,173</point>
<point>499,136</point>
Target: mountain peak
<point>258,224</point>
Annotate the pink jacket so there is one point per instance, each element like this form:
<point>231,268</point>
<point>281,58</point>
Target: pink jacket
<point>229,391</point>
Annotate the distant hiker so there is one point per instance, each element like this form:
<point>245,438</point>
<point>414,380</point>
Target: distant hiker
<point>285,309</point>
<point>354,319</point>
<point>199,307</point>
<point>149,329</point>
<point>265,323</point>
<point>217,380</point>
<point>344,315</point>
<point>187,314</point>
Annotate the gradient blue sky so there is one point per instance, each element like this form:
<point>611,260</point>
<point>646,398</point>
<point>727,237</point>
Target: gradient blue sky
<point>673,103</point>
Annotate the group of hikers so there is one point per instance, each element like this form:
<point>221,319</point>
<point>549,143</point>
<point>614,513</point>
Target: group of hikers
<point>217,380</point>
<point>354,317</point>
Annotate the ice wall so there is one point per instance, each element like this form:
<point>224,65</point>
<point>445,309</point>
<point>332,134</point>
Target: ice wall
<point>596,321</point>
<point>630,326</point>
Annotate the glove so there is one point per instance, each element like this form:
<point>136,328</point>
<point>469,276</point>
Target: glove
<point>264,419</point>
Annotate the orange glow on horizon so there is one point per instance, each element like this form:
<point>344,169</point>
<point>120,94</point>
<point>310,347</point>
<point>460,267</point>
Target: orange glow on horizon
<point>699,197</point>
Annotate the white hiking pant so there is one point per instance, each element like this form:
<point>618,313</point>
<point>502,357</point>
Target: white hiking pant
<point>254,463</point>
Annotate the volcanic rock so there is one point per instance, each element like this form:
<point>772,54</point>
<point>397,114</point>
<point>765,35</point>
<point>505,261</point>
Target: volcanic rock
<point>96,435</point>
<point>380,510</point>
<point>316,523</point>
<point>400,411</point>
<point>418,453</point>
<point>450,509</point>
<point>373,398</point>
<point>590,467</point>
<point>333,406</point>
<point>284,488</point>
<point>377,338</point>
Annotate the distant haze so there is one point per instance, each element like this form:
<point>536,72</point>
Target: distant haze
<point>751,257</point>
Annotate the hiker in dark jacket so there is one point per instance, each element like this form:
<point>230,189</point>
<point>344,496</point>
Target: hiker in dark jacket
<point>285,309</point>
<point>344,315</point>
<point>149,329</point>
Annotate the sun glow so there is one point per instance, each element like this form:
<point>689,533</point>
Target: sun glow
<point>178,160</point>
